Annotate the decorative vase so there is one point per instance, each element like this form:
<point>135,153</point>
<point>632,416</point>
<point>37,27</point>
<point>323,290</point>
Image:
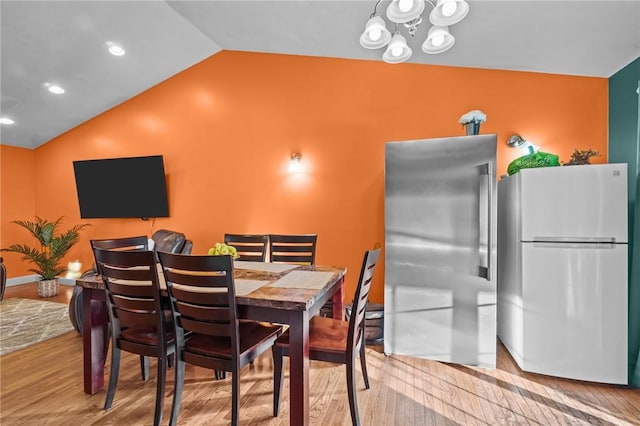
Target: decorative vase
<point>48,288</point>
<point>472,128</point>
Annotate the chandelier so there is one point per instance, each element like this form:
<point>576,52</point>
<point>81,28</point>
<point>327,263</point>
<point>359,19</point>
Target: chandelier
<point>408,13</point>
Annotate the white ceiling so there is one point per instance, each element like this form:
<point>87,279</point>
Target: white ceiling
<point>63,42</point>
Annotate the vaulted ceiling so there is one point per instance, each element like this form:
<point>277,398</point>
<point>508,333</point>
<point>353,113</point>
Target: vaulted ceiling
<point>65,43</point>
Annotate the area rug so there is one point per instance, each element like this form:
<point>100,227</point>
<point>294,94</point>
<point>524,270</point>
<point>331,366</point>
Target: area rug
<point>24,322</point>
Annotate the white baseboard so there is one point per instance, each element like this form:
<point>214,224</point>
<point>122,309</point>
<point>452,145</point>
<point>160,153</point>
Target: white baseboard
<point>66,281</point>
<point>25,279</point>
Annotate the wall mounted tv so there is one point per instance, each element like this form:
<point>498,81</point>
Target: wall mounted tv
<point>122,187</point>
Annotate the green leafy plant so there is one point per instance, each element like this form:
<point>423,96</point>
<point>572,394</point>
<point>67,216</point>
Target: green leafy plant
<point>54,245</point>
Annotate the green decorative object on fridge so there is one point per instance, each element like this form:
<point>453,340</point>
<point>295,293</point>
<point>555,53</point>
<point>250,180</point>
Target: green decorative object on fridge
<point>537,159</point>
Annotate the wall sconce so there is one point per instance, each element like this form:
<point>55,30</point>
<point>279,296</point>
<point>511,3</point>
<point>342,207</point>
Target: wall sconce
<point>294,162</point>
<point>517,141</point>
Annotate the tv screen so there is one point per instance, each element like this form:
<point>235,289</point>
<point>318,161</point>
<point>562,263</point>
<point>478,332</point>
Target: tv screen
<point>122,187</point>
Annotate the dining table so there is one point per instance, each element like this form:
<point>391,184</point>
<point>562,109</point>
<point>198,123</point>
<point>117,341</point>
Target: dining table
<point>273,292</point>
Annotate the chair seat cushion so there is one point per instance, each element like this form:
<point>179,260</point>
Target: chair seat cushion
<point>325,334</point>
<point>251,334</point>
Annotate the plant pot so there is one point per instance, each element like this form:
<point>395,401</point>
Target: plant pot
<point>472,128</point>
<point>48,288</point>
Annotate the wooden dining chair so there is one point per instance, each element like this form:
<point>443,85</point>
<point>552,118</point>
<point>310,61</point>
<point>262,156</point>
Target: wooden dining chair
<point>250,247</point>
<point>126,243</point>
<point>335,341</point>
<point>138,322</point>
<point>3,279</point>
<point>207,329</point>
<point>297,249</point>
<point>293,248</point>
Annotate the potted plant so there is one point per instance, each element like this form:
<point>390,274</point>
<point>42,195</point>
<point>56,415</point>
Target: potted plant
<point>472,120</point>
<point>54,245</point>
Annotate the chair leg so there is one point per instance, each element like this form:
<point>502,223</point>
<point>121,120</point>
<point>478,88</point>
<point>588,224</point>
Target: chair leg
<point>278,376</point>
<point>171,360</point>
<point>220,374</point>
<point>144,367</point>
<point>107,337</point>
<point>113,376</point>
<point>235,396</point>
<point>161,380</point>
<point>363,363</point>
<point>177,391</point>
<point>351,390</point>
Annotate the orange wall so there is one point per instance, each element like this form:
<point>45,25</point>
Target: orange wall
<point>17,201</point>
<point>228,125</point>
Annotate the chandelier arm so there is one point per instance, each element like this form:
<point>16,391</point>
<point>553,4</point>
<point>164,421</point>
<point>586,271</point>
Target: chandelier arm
<point>375,8</point>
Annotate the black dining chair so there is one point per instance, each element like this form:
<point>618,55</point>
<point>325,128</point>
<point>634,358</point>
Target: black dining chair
<point>208,332</point>
<point>138,322</point>
<point>126,243</point>
<point>3,279</point>
<point>297,249</point>
<point>335,341</point>
<point>250,247</point>
<point>293,248</point>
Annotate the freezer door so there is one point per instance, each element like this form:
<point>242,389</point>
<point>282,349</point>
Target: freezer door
<point>440,245</point>
<point>575,311</point>
<point>574,203</point>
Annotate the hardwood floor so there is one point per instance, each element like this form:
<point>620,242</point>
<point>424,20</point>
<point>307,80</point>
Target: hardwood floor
<point>42,384</point>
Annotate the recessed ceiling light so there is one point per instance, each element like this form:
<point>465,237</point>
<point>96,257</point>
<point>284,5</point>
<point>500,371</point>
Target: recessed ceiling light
<point>115,49</point>
<point>56,89</point>
<point>6,120</point>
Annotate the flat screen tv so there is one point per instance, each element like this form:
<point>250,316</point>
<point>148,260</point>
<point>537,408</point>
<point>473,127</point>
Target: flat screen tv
<point>122,187</point>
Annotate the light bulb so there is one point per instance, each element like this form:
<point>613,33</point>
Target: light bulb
<point>437,40</point>
<point>527,148</point>
<point>375,34</point>
<point>396,51</point>
<point>116,50</point>
<point>449,8</point>
<point>405,5</point>
<point>56,90</point>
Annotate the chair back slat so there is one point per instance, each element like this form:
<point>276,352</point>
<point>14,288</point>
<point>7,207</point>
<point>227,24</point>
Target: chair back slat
<point>197,312</point>
<point>250,247</point>
<point>130,304</point>
<point>138,243</point>
<point>204,327</point>
<point>195,297</point>
<point>131,289</point>
<point>355,335</point>
<point>128,318</point>
<point>203,279</point>
<point>129,274</point>
<point>293,248</point>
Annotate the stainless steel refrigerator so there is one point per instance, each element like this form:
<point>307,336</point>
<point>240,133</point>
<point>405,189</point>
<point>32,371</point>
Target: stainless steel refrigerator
<point>440,249</point>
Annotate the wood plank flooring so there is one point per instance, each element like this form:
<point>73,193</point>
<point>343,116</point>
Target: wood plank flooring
<point>42,384</point>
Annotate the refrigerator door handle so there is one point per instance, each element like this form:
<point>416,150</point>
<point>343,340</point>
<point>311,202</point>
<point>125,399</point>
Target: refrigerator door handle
<point>484,218</point>
<point>585,240</point>
<point>574,245</point>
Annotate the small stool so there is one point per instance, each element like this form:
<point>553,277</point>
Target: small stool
<point>373,323</point>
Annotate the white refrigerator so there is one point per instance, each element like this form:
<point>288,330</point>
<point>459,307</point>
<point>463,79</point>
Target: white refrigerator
<point>562,271</point>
